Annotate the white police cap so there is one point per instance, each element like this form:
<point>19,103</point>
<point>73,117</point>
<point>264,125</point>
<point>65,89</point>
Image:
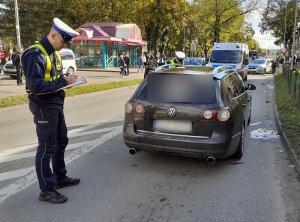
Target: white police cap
<point>180,55</point>
<point>66,31</point>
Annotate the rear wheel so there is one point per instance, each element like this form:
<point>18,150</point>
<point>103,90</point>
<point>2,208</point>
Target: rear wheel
<point>240,150</point>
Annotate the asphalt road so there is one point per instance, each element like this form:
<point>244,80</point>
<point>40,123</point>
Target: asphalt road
<point>263,186</point>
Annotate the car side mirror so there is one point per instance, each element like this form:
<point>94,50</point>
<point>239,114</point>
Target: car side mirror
<point>250,87</point>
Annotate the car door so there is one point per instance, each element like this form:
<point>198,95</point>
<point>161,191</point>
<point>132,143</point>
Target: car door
<point>235,100</point>
<point>243,95</point>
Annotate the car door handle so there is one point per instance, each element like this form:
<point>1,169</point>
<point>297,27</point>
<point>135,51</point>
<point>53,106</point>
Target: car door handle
<point>244,105</point>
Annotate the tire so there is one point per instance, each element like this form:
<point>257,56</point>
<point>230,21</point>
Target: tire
<point>70,71</point>
<point>240,150</point>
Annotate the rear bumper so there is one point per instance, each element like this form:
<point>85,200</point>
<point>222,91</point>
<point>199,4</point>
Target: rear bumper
<point>257,71</point>
<point>219,146</point>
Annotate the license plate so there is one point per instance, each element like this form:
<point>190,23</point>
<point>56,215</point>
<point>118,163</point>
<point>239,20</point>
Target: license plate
<point>172,126</point>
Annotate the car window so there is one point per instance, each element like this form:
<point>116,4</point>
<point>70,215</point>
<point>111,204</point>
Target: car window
<point>238,83</point>
<point>230,87</point>
<point>176,88</point>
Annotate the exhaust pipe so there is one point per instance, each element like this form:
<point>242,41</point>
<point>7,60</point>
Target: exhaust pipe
<point>211,160</point>
<point>133,151</point>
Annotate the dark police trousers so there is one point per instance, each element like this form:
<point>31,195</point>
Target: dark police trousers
<point>52,138</point>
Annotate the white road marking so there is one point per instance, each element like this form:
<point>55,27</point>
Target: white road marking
<point>29,173</point>
<point>15,173</point>
<point>253,124</point>
<point>70,134</point>
<point>5,159</point>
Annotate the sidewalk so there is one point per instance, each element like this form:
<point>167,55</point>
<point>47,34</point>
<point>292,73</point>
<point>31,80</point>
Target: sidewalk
<point>9,87</point>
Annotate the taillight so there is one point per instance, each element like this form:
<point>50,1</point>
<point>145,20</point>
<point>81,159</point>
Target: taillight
<point>211,114</point>
<point>208,114</point>
<point>134,108</point>
<point>223,115</point>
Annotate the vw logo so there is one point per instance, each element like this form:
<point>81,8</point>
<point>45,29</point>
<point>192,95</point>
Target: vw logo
<point>171,111</point>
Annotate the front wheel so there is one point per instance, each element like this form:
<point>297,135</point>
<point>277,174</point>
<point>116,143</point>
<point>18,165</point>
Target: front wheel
<point>240,150</point>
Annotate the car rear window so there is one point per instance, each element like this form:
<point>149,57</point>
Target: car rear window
<point>177,88</point>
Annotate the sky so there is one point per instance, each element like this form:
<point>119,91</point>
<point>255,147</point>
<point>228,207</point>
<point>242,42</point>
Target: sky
<point>266,40</point>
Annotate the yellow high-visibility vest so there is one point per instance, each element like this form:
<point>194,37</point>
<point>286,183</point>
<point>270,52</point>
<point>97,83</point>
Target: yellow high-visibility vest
<point>58,64</point>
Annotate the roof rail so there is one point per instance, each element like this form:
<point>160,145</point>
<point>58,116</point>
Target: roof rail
<point>218,73</point>
<point>221,69</point>
<point>168,66</point>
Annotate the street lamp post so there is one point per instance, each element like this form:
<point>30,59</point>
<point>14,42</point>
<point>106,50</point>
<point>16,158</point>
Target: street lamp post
<point>17,23</point>
<point>294,35</point>
<point>284,43</point>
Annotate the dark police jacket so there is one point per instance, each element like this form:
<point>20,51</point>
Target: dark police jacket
<point>42,93</point>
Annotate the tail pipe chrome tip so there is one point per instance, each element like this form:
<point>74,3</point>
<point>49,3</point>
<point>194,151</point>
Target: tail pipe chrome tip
<point>133,151</point>
<point>211,160</point>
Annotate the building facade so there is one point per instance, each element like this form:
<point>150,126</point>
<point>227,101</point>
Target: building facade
<point>100,44</point>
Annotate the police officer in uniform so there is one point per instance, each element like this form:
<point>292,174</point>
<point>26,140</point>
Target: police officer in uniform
<point>43,72</point>
<point>179,57</point>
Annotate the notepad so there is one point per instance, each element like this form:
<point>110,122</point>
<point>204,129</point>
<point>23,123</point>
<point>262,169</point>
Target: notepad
<point>80,80</point>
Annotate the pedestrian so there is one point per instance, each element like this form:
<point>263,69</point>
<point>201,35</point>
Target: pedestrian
<point>140,63</point>
<point>273,65</point>
<point>17,63</point>
<point>122,65</point>
<point>151,64</point>
<point>10,55</point>
<point>127,64</point>
<point>42,68</point>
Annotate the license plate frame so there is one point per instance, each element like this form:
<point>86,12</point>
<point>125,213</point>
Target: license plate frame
<point>173,126</point>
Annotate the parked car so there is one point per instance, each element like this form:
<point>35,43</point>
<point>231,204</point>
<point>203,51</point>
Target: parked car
<point>3,57</point>
<point>9,69</point>
<point>260,66</point>
<point>68,61</point>
<point>197,112</point>
<point>194,62</point>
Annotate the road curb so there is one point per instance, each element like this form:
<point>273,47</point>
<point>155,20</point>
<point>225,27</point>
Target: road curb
<point>283,136</point>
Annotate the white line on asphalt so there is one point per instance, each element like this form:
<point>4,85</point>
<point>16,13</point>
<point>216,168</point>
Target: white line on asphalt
<point>4,159</point>
<point>70,133</point>
<point>31,154</point>
<point>30,176</point>
<point>16,173</point>
<point>253,124</point>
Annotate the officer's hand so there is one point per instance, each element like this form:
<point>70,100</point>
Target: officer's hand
<point>71,79</point>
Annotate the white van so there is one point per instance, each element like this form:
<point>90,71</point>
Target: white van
<point>235,55</point>
<point>68,61</point>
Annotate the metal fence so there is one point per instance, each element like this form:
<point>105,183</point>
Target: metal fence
<point>292,81</point>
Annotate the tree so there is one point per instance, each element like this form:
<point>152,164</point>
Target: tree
<point>221,14</point>
<point>274,17</point>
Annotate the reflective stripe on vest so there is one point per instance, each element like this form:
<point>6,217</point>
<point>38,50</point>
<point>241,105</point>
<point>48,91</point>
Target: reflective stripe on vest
<point>48,77</point>
<point>58,62</point>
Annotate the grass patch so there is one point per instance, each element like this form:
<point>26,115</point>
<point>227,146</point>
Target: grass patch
<point>289,114</point>
<point>78,90</point>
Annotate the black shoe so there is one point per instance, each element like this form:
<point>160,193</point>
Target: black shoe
<point>52,196</point>
<point>67,182</point>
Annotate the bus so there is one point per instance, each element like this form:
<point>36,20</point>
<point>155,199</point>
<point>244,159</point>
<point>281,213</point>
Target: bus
<point>235,55</point>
